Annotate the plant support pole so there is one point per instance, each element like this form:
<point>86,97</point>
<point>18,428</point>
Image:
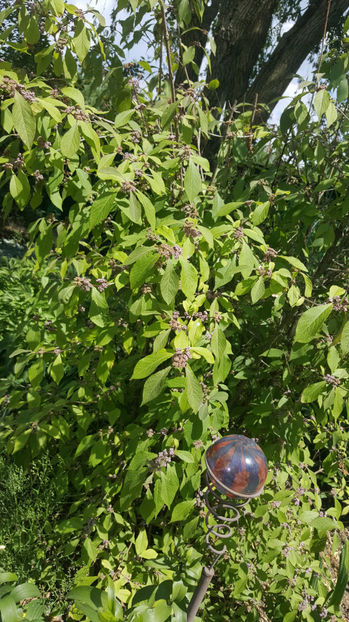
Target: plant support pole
<point>199,594</point>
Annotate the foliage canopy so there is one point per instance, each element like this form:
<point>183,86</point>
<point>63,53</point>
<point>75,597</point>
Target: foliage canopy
<point>168,302</point>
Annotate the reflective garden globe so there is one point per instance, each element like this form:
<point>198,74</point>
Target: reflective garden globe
<point>236,466</point>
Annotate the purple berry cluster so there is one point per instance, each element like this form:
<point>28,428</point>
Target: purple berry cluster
<point>339,304</point>
<point>332,380</point>
<point>164,457</point>
<point>181,358</point>
<point>11,86</point>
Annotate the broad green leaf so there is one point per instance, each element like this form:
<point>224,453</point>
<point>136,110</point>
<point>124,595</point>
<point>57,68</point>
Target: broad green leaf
<point>188,55</point>
<point>182,510</point>
<point>296,263</point>
<point>134,210</point>
<point>20,188</point>
<point>85,443</point>
<point>345,339</point>
<point>148,364</point>
<point>69,525</point>
<point>336,596</point>
<point>260,213</point>
<point>122,118</point>
<point>321,102</point>
<point>311,321</point>
<point>57,369</point>
<point>323,523</point>
<point>169,282</point>
<point>312,392</point>
<point>186,456</point>
<point>333,358</point>
<point>23,120</point>
<point>149,554</point>
<point>141,269</point>
<point>169,484</point>
<point>101,208</point>
<point>8,609</point>
<point>149,208</point>
<point>168,115</point>
<point>70,141</point>
<point>156,183</point>
<point>57,6</point>
<point>247,260</point>
<point>205,353</point>
<point>36,372</point>
<point>194,391</point>
<point>24,591</point>
<point>141,543</point>
<point>189,279</point>
<point>154,385</point>
<point>258,290</point>
<point>192,181</point>
<point>331,114</point>
<point>81,41</point>
<point>228,207</point>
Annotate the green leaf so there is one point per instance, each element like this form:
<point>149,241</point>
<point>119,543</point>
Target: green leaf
<point>189,55</point>
<point>101,208</point>
<point>323,523</point>
<point>169,484</point>
<point>189,279</point>
<point>70,141</point>
<point>182,510</point>
<point>321,102</point>
<point>247,260</point>
<point>345,339</point>
<point>311,322</point>
<point>168,115</point>
<point>149,363</point>
<point>24,591</point>
<point>258,290</point>
<point>141,543</point>
<point>186,456</point>
<point>213,85</point>
<point>8,609</point>
<point>122,118</point>
<point>36,372</point>
<point>296,263</point>
<point>169,282</point>
<point>98,307</point>
<point>23,120</point>
<point>69,525</point>
<point>149,208</point>
<point>331,114</point>
<point>134,210</point>
<point>194,391</point>
<point>192,181</point>
<point>57,369</point>
<point>154,385</point>
<point>312,392</point>
<point>260,213</point>
<point>81,42</point>
<point>141,269</point>
<point>20,188</point>
<point>336,596</point>
<point>8,577</point>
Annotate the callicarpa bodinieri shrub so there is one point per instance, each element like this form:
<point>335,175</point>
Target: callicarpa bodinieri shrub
<point>174,299</point>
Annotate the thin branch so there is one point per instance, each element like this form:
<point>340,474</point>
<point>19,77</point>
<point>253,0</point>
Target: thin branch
<point>169,63</point>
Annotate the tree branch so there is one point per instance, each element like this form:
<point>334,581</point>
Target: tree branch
<point>292,50</point>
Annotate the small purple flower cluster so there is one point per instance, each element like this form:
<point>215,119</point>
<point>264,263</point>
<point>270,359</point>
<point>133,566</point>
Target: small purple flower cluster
<point>239,233</point>
<point>199,501</point>
<point>128,186</point>
<point>164,457</point>
<point>129,156</point>
<point>270,253</point>
<point>77,113</point>
<point>11,86</point>
<point>189,229</point>
<point>102,284</point>
<point>43,144</point>
<point>190,210</point>
<point>339,304</point>
<point>332,380</point>
<point>181,358</point>
<point>167,251</point>
<point>83,282</point>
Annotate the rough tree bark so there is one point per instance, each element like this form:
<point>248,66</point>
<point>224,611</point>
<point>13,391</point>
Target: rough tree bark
<point>240,35</point>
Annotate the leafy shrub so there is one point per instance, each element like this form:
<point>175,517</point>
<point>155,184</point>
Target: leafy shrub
<point>174,304</point>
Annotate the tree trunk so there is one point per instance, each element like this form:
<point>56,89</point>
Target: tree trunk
<point>292,50</point>
<point>240,35</point>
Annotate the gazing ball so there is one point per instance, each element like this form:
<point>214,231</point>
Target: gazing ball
<point>236,466</point>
